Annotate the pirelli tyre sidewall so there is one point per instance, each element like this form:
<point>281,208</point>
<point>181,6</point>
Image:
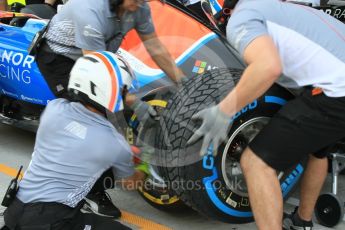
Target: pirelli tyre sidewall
<point>206,185</point>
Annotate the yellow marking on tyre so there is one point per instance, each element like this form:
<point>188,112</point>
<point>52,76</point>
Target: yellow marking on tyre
<point>159,200</point>
<point>159,103</point>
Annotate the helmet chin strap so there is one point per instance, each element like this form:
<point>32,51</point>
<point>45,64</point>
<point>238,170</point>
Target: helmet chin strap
<point>124,94</point>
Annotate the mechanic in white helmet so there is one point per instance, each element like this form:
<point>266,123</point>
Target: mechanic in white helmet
<point>75,145</point>
<point>97,26</point>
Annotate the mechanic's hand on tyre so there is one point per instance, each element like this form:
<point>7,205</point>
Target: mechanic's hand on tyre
<point>145,156</point>
<point>214,128</point>
<point>144,167</point>
<point>145,112</point>
<point>183,80</point>
<point>176,86</point>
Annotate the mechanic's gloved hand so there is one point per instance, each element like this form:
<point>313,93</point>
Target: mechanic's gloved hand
<point>145,112</point>
<point>145,158</point>
<point>214,128</point>
<point>143,167</point>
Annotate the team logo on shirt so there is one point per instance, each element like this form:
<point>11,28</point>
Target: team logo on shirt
<point>89,31</point>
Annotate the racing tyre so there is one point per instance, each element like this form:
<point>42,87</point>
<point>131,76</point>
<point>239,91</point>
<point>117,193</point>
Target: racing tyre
<point>154,191</point>
<point>214,185</point>
<point>329,210</point>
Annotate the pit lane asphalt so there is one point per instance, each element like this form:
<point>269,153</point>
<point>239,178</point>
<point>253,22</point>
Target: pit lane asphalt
<point>16,147</point>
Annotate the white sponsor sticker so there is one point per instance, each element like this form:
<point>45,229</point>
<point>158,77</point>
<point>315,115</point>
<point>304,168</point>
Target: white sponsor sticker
<point>231,202</point>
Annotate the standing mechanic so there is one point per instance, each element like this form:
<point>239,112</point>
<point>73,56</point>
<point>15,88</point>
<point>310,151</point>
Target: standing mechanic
<point>87,25</point>
<point>308,47</point>
<point>75,144</point>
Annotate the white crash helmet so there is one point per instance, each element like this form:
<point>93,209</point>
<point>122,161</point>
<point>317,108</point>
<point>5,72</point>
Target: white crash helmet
<point>99,78</point>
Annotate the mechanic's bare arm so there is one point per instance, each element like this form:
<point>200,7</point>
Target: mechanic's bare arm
<point>130,99</point>
<point>134,181</point>
<point>264,68</point>
<point>3,5</point>
<point>50,2</point>
<point>161,56</point>
<point>87,51</point>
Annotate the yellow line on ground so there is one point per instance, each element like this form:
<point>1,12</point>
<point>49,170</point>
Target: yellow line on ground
<point>10,171</point>
<point>130,218</point>
<point>141,222</point>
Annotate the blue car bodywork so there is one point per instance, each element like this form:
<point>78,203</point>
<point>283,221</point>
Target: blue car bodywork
<point>20,77</point>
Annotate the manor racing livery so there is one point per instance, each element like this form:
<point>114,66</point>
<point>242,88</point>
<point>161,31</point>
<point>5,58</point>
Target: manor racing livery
<point>17,72</point>
<point>19,75</point>
<point>16,66</point>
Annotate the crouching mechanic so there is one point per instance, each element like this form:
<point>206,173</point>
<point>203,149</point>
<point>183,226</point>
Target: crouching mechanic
<point>85,26</point>
<point>75,145</point>
<point>308,47</point>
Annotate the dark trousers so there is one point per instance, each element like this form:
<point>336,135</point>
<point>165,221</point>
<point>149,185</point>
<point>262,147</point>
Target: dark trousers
<point>55,216</point>
<point>55,69</point>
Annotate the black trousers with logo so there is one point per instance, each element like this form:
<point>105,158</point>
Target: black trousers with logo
<point>55,216</point>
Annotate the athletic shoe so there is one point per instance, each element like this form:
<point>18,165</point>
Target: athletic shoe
<point>101,204</point>
<point>292,221</point>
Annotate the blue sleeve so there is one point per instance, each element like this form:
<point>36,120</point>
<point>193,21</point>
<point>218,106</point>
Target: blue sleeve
<point>243,27</point>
